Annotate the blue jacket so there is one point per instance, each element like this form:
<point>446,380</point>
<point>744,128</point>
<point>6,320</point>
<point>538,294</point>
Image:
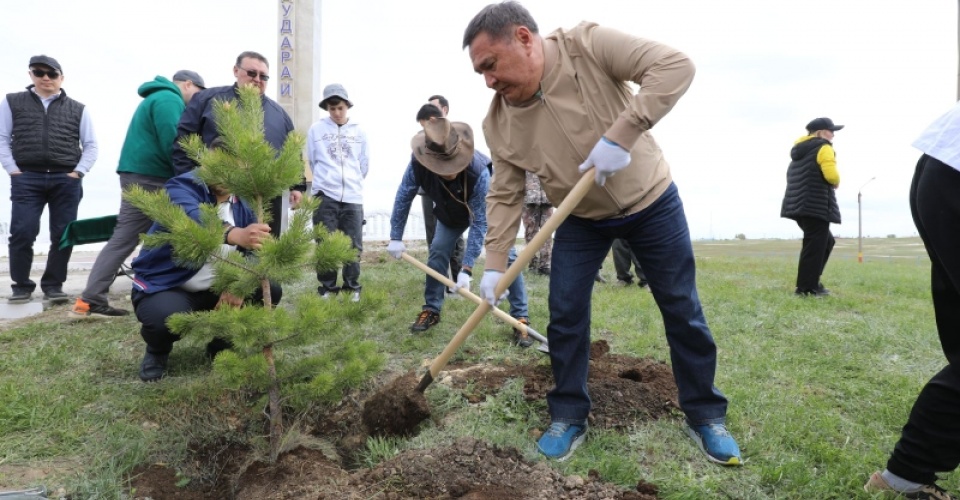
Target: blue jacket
<point>198,118</point>
<point>154,268</point>
<point>476,200</point>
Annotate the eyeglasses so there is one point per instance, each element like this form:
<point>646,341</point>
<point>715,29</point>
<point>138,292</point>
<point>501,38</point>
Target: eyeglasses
<point>52,74</point>
<point>253,74</point>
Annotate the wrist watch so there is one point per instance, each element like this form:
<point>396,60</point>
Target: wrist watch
<point>79,173</point>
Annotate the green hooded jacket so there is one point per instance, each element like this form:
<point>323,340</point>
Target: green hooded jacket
<point>147,149</point>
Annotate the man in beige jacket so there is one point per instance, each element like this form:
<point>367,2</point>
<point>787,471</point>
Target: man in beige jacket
<point>562,106</point>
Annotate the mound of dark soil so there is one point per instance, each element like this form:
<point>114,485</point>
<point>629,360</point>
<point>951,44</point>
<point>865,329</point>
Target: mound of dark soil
<point>624,389</point>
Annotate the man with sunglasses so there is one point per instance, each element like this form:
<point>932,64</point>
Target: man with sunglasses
<point>47,145</point>
<point>250,69</point>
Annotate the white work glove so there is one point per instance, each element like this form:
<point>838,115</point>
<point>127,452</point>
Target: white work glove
<point>488,287</point>
<point>395,248</point>
<point>463,281</point>
<point>608,158</point>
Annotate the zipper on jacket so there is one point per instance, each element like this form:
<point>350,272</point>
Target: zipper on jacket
<point>343,181</point>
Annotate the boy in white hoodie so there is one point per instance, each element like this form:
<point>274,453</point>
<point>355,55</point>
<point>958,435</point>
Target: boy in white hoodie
<point>337,150</point>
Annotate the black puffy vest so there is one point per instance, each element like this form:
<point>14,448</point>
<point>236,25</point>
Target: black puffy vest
<point>451,212</point>
<point>45,140</point>
<point>808,193</point>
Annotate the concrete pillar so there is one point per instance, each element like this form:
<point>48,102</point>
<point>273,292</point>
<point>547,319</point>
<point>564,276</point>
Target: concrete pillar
<point>298,49</point>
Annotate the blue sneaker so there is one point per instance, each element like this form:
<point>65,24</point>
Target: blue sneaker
<point>561,439</point>
<point>716,443</point>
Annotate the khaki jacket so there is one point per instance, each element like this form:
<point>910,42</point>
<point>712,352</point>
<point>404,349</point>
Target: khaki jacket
<point>584,96</point>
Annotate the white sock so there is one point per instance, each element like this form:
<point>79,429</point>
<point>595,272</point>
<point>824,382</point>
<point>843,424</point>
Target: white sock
<point>900,484</point>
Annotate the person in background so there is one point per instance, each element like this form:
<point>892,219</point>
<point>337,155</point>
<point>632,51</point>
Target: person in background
<point>560,100</point>
<point>446,166</point>
<point>426,203</point>
<point>145,161</point>
<point>811,200</point>
<point>338,153</point>
<point>47,145</point>
<point>250,69</point>
<point>930,441</point>
<point>536,212</point>
<point>623,258</point>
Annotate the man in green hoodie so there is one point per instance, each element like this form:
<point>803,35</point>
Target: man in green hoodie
<point>145,161</point>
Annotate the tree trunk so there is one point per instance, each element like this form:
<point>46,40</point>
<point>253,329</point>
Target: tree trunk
<point>276,417</point>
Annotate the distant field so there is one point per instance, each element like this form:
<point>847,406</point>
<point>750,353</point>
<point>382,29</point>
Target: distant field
<point>846,248</point>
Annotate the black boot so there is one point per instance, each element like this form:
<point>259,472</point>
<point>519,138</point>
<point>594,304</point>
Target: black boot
<point>153,367</point>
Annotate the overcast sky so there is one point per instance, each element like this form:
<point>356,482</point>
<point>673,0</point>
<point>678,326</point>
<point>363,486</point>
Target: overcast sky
<point>883,68</point>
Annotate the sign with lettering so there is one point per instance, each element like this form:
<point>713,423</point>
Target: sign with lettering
<point>285,37</point>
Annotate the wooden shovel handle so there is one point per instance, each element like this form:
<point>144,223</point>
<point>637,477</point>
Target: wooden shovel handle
<point>559,215</point>
<point>472,296</point>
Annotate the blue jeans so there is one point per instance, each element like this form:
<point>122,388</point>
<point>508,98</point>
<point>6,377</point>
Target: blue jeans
<point>444,240</point>
<point>29,193</point>
<point>348,218</point>
<point>660,239</point>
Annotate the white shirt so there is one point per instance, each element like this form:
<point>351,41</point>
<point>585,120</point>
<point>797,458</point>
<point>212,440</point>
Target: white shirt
<point>204,277</point>
<point>941,139</point>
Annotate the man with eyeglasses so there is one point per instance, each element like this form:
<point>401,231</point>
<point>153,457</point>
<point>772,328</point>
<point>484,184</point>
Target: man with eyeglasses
<point>47,145</point>
<point>250,69</point>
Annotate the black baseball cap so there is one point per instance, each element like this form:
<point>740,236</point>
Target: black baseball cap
<point>822,124</point>
<point>46,61</point>
<point>185,75</point>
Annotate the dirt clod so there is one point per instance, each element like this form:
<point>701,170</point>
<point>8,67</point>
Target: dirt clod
<point>397,410</point>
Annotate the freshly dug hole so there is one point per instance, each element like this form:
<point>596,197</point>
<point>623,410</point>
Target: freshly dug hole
<point>396,410</point>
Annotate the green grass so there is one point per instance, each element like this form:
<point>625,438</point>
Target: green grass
<point>818,388</point>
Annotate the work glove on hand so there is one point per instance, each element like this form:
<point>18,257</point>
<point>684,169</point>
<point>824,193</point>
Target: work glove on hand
<point>395,248</point>
<point>488,287</point>
<point>608,157</point>
<point>463,281</point>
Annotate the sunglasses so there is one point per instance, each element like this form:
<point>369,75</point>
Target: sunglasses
<point>52,74</point>
<point>253,74</point>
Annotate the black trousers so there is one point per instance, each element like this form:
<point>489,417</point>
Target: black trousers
<point>623,257</point>
<point>817,245</point>
<point>153,309</point>
<point>930,441</point>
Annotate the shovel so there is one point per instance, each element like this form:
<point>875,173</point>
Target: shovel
<point>569,203</point>
<point>472,296</point>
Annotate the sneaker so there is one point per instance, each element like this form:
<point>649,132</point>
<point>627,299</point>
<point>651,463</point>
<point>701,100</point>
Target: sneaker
<point>544,271</point>
<point>642,283</point>
<point>326,295</point>
<point>561,439</point>
<point>624,282</point>
<point>599,279</point>
<point>355,297</point>
<point>55,297</point>
<point>876,484</point>
<point>818,293</point>
<point>716,443</point>
<point>521,337</point>
<point>153,367</point>
<point>426,320</point>
<point>84,309</point>
<point>20,298</point>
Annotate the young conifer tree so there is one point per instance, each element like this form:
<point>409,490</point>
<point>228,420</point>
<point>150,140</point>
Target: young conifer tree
<point>295,354</point>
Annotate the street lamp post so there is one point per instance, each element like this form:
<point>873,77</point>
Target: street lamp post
<point>860,221</point>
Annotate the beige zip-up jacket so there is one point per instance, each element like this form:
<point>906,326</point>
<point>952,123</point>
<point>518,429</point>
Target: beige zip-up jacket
<point>584,96</point>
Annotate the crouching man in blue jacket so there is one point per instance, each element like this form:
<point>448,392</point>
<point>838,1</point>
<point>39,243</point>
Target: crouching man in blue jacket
<point>162,288</point>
